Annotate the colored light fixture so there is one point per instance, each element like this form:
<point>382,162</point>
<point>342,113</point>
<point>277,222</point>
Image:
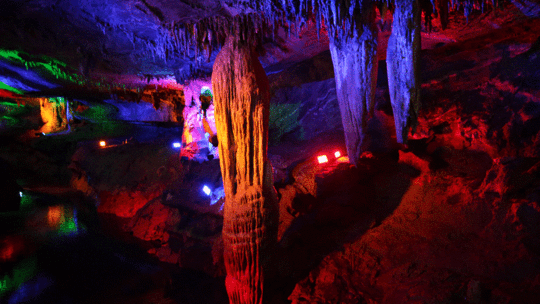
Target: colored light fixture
<point>337,154</point>
<point>322,159</point>
<point>176,145</point>
<point>207,190</point>
<point>102,143</point>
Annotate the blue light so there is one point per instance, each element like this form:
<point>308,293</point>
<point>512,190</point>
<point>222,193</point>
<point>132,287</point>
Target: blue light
<point>177,145</point>
<point>20,194</point>
<point>207,190</point>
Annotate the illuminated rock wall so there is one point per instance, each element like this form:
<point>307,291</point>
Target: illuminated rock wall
<point>53,114</point>
<point>241,93</point>
<point>402,64</point>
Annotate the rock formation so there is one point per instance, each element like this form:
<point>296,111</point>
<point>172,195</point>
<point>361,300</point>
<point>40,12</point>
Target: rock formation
<point>241,93</point>
<point>53,114</point>
<point>354,55</point>
<point>402,64</point>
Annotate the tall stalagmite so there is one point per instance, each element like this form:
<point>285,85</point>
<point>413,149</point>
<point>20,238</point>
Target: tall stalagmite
<point>402,65</point>
<point>354,55</point>
<point>241,98</point>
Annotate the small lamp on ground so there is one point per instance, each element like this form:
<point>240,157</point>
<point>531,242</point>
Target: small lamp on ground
<point>322,159</point>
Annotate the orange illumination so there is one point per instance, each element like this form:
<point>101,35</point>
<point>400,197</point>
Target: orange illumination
<point>102,143</point>
<point>322,159</point>
<point>337,154</point>
<point>55,216</point>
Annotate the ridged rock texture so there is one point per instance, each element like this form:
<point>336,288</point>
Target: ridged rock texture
<point>354,55</point>
<point>402,65</point>
<point>53,114</point>
<point>241,98</point>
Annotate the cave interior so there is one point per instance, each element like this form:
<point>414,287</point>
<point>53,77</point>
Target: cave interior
<point>260,151</point>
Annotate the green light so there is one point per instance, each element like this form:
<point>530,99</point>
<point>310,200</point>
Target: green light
<point>9,121</point>
<point>26,201</point>
<point>68,227</point>
<point>52,66</point>
<point>10,55</point>
<point>4,285</point>
<point>4,86</point>
<point>23,272</point>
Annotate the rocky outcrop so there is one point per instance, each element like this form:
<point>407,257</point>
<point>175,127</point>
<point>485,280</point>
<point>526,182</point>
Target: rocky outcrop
<point>476,244</point>
<point>125,177</point>
<point>241,93</point>
<point>159,103</point>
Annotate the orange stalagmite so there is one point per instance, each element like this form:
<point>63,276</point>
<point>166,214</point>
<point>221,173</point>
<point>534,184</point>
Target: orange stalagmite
<point>241,98</point>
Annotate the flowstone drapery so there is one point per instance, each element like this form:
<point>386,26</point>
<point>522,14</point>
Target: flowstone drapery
<point>241,98</point>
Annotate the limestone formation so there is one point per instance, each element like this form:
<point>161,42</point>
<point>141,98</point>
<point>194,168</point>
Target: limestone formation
<point>241,98</point>
<point>354,56</point>
<point>53,114</point>
<point>402,64</point>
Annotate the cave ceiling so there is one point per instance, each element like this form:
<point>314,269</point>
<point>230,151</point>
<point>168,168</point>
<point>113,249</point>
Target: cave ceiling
<point>122,41</point>
<point>106,36</point>
<point>131,41</point>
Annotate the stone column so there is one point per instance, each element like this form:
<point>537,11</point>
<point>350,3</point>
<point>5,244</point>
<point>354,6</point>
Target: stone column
<point>402,65</point>
<point>241,100</point>
<point>354,55</point>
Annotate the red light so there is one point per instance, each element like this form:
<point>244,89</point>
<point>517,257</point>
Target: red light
<point>337,154</point>
<point>322,159</point>
<point>102,143</point>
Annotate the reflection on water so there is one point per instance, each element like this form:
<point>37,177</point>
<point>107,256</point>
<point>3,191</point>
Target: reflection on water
<point>19,273</point>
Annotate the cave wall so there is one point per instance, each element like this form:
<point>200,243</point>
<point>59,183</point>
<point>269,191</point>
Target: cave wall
<point>142,111</point>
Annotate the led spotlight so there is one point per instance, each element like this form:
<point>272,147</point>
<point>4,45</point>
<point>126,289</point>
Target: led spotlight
<point>207,190</point>
<point>322,159</point>
<point>337,154</point>
<point>102,143</point>
<point>20,193</point>
<point>176,145</point>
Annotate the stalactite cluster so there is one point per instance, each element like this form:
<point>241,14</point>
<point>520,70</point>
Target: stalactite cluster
<point>208,35</point>
<point>261,19</point>
<point>241,98</point>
